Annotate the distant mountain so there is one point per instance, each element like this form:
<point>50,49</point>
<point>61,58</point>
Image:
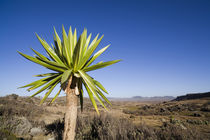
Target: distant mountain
<point>191,96</point>
<point>155,98</point>
<point>140,98</point>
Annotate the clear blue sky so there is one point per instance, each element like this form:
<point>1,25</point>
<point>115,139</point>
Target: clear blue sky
<point>165,45</point>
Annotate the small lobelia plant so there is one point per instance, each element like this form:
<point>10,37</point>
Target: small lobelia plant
<point>70,59</point>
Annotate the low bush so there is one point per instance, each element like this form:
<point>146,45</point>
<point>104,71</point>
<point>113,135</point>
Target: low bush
<point>104,127</point>
<point>107,127</point>
<point>170,131</point>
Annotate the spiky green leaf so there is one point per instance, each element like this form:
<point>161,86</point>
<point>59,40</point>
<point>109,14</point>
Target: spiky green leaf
<point>40,81</point>
<point>75,37</point>
<point>58,40</point>
<point>76,54</point>
<point>92,98</point>
<point>102,95</point>
<point>66,46</point>
<point>49,50</point>
<point>91,86</point>
<point>49,91</point>
<point>35,60</point>
<point>46,74</point>
<point>90,51</point>
<point>56,96</point>
<point>40,55</point>
<point>98,84</point>
<point>86,45</point>
<point>66,75</point>
<point>82,45</point>
<point>71,43</point>
<point>96,55</point>
<point>49,84</point>
<point>53,63</point>
<point>100,65</point>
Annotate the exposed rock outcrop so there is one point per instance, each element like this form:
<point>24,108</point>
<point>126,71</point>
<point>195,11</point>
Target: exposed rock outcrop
<point>193,96</point>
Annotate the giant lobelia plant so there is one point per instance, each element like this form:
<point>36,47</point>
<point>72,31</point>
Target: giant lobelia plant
<point>70,59</point>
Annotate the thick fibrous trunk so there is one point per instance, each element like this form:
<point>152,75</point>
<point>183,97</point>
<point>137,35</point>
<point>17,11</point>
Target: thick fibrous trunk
<point>71,109</point>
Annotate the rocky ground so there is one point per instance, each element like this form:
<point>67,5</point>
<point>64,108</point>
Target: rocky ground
<point>25,118</point>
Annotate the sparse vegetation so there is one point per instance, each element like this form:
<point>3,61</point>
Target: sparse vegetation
<point>125,120</point>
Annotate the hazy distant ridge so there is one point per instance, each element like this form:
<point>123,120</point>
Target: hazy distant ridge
<point>140,98</point>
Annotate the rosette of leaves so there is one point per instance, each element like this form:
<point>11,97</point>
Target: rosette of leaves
<point>70,57</point>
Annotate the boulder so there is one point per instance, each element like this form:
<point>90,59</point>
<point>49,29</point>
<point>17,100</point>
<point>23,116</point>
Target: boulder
<point>36,131</point>
<point>18,125</point>
<point>21,126</point>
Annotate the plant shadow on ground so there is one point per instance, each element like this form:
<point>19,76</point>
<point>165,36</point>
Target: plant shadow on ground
<point>55,128</point>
